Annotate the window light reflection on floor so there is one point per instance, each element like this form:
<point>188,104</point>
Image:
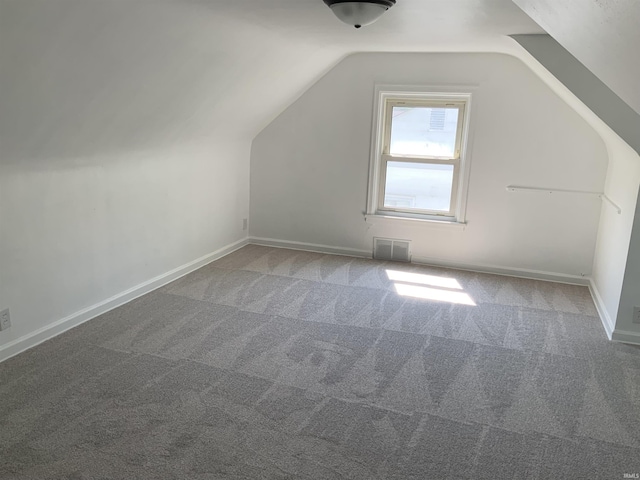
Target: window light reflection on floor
<point>422,279</point>
<point>412,285</point>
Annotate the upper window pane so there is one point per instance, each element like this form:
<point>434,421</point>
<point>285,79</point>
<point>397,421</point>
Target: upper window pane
<point>424,131</point>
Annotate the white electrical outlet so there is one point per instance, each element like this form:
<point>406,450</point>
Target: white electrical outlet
<point>5,319</point>
<point>636,314</point>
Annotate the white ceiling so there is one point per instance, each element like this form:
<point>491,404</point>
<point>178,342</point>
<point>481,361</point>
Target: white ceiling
<point>410,25</point>
<point>197,67</point>
<point>603,34</point>
<point>307,39</point>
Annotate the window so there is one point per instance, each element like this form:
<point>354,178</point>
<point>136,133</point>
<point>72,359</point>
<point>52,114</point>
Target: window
<point>418,168</point>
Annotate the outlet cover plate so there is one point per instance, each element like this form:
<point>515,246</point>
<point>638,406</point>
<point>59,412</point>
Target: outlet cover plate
<point>5,319</point>
<point>636,314</point>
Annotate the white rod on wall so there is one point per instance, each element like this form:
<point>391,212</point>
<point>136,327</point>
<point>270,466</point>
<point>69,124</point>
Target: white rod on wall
<point>601,195</point>
<point>610,202</point>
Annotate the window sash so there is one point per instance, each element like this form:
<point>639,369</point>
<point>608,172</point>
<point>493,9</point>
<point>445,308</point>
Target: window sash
<point>419,160</point>
<point>415,103</point>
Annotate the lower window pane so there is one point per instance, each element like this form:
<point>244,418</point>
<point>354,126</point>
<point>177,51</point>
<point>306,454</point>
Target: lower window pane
<point>418,186</point>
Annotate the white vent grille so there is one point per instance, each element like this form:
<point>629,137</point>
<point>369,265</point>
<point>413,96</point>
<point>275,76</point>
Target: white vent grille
<point>400,251</point>
<point>390,249</point>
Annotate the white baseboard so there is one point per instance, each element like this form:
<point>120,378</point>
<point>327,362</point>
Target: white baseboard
<point>56,328</point>
<point>605,318</point>
<point>608,324</point>
<point>506,271</point>
<point>473,267</point>
<point>45,333</point>
<point>625,336</point>
<point>309,247</point>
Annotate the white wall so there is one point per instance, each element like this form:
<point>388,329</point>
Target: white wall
<point>309,167</point>
<point>77,233</point>
<point>618,126</point>
<point>614,237</point>
<point>112,168</point>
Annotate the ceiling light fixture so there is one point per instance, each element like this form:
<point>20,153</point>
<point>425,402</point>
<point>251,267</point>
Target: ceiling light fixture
<point>359,14</point>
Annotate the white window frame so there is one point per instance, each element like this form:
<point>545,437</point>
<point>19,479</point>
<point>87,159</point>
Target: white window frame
<point>388,96</point>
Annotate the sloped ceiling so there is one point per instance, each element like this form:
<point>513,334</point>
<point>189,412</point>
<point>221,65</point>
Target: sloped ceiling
<point>206,67</point>
<point>603,34</point>
<point>308,40</point>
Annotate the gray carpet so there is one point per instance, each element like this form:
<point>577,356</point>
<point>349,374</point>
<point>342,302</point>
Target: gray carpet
<point>279,364</point>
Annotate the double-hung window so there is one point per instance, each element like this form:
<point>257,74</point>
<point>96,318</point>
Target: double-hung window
<point>418,164</point>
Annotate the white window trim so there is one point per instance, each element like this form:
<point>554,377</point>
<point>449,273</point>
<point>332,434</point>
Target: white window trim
<point>455,93</point>
<point>422,221</point>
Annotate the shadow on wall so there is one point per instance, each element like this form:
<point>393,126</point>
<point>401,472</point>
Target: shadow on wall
<point>85,79</point>
<point>91,80</point>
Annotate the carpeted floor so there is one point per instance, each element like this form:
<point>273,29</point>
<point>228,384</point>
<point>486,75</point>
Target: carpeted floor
<point>275,364</point>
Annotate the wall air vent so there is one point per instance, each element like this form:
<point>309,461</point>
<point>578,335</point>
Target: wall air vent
<point>391,249</point>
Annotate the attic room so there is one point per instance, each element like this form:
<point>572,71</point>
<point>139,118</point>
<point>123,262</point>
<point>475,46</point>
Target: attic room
<point>244,239</point>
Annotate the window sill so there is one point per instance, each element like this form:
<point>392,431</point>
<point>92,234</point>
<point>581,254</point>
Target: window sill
<point>377,219</point>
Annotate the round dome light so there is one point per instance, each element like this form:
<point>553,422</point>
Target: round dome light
<point>359,14</point>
